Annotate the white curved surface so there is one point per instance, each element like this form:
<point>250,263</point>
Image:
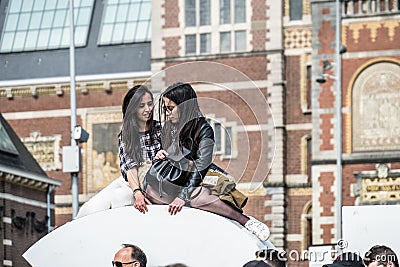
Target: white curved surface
<point>94,239</point>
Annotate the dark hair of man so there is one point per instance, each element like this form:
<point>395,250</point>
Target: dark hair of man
<point>273,257</point>
<point>185,97</point>
<point>381,254</point>
<point>130,126</point>
<point>137,254</point>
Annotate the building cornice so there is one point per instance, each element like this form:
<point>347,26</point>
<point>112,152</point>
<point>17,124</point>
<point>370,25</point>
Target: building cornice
<point>26,178</point>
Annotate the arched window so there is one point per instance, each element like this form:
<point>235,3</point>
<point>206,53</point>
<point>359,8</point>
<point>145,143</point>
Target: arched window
<point>306,226</point>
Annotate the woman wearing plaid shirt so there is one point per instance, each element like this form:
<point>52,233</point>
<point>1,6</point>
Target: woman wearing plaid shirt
<point>139,141</point>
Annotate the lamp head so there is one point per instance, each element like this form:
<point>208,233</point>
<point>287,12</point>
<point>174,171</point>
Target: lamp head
<point>343,49</point>
<point>321,79</point>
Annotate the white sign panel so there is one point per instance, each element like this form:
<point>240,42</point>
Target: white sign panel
<point>366,226</point>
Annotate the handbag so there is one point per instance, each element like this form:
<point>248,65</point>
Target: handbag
<point>167,176</point>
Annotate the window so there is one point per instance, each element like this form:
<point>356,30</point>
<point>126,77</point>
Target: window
<point>190,13</point>
<point>308,87</point>
<point>240,11</point>
<point>197,10</point>
<point>126,22</point>
<point>240,40</point>
<point>305,83</point>
<point>190,43</point>
<point>205,13</point>
<point>231,35</point>
<point>223,138</point>
<point>225,41</point>
<point>309,157</point>
<point>306,156</point>
<point>226,12</point>
<point>306,227</point>
<point>205,43</point>
<point>296,9</point>
<point>44,24</point>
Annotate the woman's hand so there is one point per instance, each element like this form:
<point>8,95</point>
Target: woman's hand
<point>161,155</point>
<point>141,202</point>
<point>176,206</point>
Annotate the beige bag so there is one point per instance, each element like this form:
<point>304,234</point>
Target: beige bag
<point>224,186</point>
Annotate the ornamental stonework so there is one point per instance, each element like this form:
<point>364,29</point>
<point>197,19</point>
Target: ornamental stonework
<point>376,108</point>
<point>296,38</point>
<point>379,187</point>
<point>45,149</point>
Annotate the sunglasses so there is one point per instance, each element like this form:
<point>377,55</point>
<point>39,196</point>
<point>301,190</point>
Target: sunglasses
<point>168,108</point>
<point>119,264</point>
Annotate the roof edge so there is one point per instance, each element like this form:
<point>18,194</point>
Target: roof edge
<point>35,178</point>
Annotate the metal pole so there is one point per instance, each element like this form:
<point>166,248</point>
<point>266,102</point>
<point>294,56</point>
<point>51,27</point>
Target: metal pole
<point>48,212</point>
<point>74,175</point>
<point>338,123</point>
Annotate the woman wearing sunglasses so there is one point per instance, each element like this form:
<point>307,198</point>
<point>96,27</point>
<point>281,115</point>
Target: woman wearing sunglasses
<point>187,135</point>
<point>139,141</point>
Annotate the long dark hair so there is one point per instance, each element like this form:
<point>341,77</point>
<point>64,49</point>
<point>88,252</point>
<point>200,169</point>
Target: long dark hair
<point>185,97</point>
<point>130,126</point>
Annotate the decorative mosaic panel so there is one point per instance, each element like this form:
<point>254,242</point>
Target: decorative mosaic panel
<point>376,108</point>
<point>102,160</point>
<point>297,38</point>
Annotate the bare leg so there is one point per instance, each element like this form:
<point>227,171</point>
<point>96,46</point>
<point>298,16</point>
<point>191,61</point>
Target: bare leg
<point>206,201</point>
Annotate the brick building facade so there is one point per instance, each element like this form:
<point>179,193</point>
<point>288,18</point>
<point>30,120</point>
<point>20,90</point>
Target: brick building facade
<point>27,210</point>
<point>254,65</point>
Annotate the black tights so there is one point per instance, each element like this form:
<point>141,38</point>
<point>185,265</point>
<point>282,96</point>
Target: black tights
<point>202,201</point>
<point>205,201</point>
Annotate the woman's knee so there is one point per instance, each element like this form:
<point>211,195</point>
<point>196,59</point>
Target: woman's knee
<point>203,197</point>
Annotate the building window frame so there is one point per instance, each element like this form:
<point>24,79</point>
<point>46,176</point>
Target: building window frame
<point>216,28</point>
<point>225,137</point>
<point>306,83</point>
<point>306,155</point>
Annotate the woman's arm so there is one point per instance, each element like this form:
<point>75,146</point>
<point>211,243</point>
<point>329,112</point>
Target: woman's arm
<point>129,170</point>
<point>126,163</point>
<point>140,199</point>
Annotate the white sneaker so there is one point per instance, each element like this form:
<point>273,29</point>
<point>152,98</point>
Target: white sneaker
<point>258,228</point>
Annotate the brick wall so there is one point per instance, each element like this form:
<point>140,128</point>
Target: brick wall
<point>20,239</point>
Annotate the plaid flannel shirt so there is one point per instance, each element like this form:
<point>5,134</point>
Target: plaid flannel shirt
<point>150,145</point>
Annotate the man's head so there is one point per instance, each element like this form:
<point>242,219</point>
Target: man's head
<point>347,259</point>
<point>129,256</point>
<point>381,256</point>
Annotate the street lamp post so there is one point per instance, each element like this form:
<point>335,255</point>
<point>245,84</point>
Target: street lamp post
<point>74,145</point>
<point>338,130</point>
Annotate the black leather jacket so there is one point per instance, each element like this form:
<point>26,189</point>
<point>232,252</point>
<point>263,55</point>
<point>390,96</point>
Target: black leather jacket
<point>201,156</point>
